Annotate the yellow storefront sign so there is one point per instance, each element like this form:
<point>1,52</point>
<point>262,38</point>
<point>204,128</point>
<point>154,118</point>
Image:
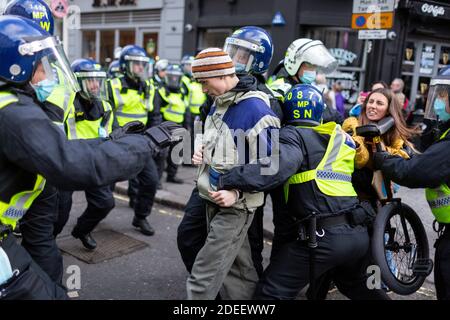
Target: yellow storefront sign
<point>374,20</point>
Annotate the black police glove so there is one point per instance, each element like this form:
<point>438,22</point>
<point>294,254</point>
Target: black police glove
<point>380,157</point>
<point>132,127</point>
<point>164,135</point>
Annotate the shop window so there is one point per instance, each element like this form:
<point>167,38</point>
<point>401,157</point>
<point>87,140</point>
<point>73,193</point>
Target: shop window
<point>409,57</point>
<point>106,46</point>
<point>422,92</point>
<point>127,37</point>
<point>427,59</point>
<point>151,43</point>
<point>213,38</point>
<point>444,59</point>
<point>88,44</point>
<point>344,45</point>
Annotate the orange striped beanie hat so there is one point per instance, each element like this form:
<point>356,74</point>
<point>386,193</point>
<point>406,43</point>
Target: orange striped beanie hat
<point>212,62</point>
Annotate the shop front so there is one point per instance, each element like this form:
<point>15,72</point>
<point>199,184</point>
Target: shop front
<point>105,25</point>
<point>427,48</point>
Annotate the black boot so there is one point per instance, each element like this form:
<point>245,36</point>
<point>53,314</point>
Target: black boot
<point>174,180</point>
<point>86,239</point>
<point>131,203</point>
<point>143,226</point>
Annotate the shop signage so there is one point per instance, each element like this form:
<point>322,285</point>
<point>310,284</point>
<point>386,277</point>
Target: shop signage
<point>366,6</point>
<point>278,19</point>
<point>373,14</point>
<point>372,34</point>
<point>434,10</point>
<point>343,57</point>
<point>114,3</point>
<point>431,10</point>
<point>427,59</point>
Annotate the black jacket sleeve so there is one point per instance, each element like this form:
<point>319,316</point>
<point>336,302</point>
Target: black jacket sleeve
<point>155,117</point>
<point>32,142</point>
<point>250,178</point>
<point>427,170</point>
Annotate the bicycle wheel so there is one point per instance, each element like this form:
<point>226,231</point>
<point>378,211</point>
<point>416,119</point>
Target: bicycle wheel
<point>400,248</point>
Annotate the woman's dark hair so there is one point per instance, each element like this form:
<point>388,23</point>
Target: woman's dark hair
<point>400,130</point>
<point>384,84</point>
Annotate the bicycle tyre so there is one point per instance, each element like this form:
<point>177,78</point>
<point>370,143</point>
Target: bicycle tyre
<point>379,252</point>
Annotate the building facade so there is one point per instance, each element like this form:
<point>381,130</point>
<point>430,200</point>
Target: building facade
<point>156,25</point>
<point>418,47</point>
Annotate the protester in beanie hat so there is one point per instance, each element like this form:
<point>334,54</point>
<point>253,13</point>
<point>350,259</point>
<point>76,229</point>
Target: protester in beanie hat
<point>212,62</point>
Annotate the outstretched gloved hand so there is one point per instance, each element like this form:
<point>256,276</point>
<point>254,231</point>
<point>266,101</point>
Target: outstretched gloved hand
<point>132,127</point>
<point>164,135</point>
<point>380,157</point>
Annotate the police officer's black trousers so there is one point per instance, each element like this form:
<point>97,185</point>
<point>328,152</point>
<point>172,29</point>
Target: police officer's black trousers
<point>30,282</point>
<point>133,187</point>
<point>285,226</point>
<point>100,202</point>
<point>442,265</point>
<point>160,160</point>
<point>133,184</point>
<point>148,182</point>
<point>192,232</point>
<point>37,233</point>
<point>286,231</point>
<point>343,249</point>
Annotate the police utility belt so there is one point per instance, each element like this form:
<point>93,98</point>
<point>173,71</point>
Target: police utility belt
<point>360,214</point>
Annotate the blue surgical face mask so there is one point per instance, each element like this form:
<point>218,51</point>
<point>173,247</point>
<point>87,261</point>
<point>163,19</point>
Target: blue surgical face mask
<point>439,109</point>
<point>308,77</point>
<point>44,88</point>
<point>239,67</point>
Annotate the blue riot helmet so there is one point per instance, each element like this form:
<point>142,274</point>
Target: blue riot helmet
<point>173,76</point>
<point>36,10</point>
<point>303,104</point>
<point>114,69</point>
<point>251,50</point>
<point>134,63</point>
<point>186,64</point>
<point>30,54</point>
<point>438,101</point>
<point>91,78</point>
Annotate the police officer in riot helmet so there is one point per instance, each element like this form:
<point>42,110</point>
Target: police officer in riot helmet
<point>159,71</point>
<point>131,96</point>
<point>36,226</point>
<point>340,239</point>
<point>34,150</point>
<point>93,119</point>
<point>435,116</point>
<point>36,10</point>
<point>170,100</point>
<point>114,69</point>
<point>431,170</point>
<point>251,49</point>
<point>303,59</point>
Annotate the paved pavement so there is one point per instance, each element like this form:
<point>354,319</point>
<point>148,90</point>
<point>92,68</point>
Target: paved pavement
<point>177,195</point>
<point>157,272</point>
<point>154,272</point>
